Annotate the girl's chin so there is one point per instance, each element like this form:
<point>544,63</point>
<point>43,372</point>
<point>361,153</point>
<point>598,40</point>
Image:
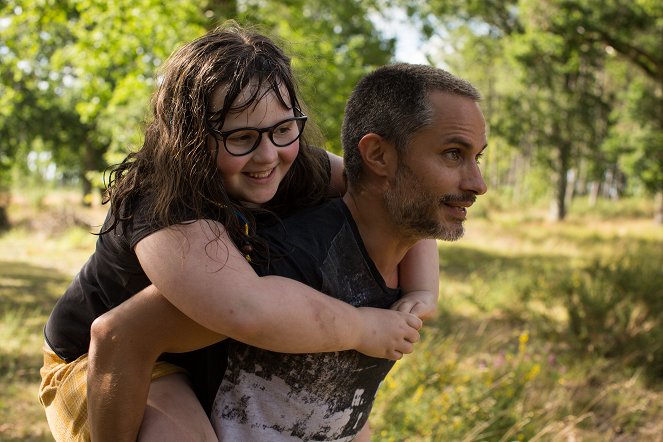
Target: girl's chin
<point>258,201</point>
<point>250,204</point>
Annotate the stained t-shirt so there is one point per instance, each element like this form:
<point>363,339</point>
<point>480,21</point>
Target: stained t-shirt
<point>323,396</point>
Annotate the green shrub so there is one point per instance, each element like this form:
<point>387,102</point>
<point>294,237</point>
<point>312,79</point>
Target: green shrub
<point>615,306</point>
<point>452,393</point>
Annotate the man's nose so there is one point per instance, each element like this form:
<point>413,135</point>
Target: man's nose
<point>473,180</point>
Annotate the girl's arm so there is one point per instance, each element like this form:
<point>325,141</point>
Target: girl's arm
<point>211,282</point>
<point>126,341</point>
<point>419,276</point>
<point>337,184</point>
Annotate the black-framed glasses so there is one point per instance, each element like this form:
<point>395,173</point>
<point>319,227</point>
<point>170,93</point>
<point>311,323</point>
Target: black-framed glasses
<point>245,140</point>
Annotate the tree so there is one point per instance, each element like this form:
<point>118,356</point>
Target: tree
<point>333,44</point>
<point>562,51</point>
<point>83,72</point>
<point>77,74</point>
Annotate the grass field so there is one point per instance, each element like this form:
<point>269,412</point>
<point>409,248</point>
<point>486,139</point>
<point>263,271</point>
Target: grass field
<point>550,332</point>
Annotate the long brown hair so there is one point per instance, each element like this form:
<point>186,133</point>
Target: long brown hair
<point>175,171</point>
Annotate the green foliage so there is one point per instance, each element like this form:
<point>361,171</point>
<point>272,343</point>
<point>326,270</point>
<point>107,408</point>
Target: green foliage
<point>76,76</point>
<point>636,138</point>
<point>615,305</point>
<point>333,44</point>
<point>569,85</point>
<point>556,93</point>
<point>456,397</point>
<point>81,73</point>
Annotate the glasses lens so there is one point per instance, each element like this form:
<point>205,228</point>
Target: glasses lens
<point>286,132</point>
<point>242,141</point>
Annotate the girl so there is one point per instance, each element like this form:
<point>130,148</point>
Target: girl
<point>224,145</point>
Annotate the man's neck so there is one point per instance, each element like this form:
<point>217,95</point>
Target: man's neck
<point>384,242</point>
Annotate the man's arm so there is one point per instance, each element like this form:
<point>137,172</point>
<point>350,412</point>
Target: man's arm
<point>419,275</point>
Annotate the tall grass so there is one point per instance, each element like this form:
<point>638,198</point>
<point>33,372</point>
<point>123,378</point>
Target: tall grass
<point>38,257</point>
<point>545,332</point>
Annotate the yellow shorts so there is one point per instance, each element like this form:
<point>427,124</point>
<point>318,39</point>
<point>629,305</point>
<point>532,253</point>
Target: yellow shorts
<point>63,394</point>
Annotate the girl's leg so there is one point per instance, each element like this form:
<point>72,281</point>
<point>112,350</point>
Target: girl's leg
<point>62,394</point>
<point>125,343</point>
<point>173,413</point>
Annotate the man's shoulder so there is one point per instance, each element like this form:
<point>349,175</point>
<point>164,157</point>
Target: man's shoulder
<point>330,210</point>
<point>312,224</point>
<point>300,243</point>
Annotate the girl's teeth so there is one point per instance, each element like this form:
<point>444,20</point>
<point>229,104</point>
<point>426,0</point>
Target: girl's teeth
<point>259,174</point>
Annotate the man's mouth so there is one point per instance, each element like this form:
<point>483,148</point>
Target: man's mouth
<point>458,201</point>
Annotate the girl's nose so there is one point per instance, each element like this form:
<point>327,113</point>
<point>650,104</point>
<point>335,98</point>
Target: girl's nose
<point>266,152</point>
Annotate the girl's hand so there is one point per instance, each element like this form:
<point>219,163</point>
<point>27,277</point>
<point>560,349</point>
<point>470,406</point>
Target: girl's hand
<point>421,303</point>
<point>387,334</point>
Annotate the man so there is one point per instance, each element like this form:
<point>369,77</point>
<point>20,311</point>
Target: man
<point>412,137</point>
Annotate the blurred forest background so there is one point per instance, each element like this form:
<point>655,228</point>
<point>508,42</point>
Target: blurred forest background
<point>551,309</point>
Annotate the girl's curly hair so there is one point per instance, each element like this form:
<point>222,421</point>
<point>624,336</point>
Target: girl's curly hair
<point>175,171</point>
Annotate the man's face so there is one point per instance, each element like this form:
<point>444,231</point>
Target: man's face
<point>439,178</point>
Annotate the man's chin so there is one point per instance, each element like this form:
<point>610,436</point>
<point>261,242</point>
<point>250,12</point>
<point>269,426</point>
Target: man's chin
<point>451,232</point>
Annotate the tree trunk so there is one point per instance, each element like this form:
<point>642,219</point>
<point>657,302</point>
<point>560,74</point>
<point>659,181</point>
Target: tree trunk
<point>4,219</point>
<point>595,190</point>
<point>559,210</point>
<point>571,177</point>
<point>658,204</point>
<point>5,198</point>
<point>90,162</point>
<point>86,188</point>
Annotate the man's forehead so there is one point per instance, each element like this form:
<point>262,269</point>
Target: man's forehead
<point>456,118</point>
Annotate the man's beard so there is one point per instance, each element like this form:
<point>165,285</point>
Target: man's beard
<point>416,210</point>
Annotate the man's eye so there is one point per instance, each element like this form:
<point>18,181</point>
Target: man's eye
<point>453,155</point>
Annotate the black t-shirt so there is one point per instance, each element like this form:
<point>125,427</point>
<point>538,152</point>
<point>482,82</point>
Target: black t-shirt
<point>318,396</point>
<point>320,247</point>
<point>111,276</point>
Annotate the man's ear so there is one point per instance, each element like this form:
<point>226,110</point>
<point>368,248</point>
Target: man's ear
<point>378,155</point>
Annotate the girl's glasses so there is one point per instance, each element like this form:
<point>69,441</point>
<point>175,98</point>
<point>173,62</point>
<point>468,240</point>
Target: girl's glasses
<point>245,140</point>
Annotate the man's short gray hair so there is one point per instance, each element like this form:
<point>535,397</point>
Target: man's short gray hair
<point>393,102</point>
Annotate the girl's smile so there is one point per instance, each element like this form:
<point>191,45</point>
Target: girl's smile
<point>254,177</point>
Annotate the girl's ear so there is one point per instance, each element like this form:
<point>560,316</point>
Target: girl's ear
<point>378,155</point>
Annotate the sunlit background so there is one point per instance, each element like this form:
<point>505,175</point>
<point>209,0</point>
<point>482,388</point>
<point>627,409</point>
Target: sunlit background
<point>551,307</point>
